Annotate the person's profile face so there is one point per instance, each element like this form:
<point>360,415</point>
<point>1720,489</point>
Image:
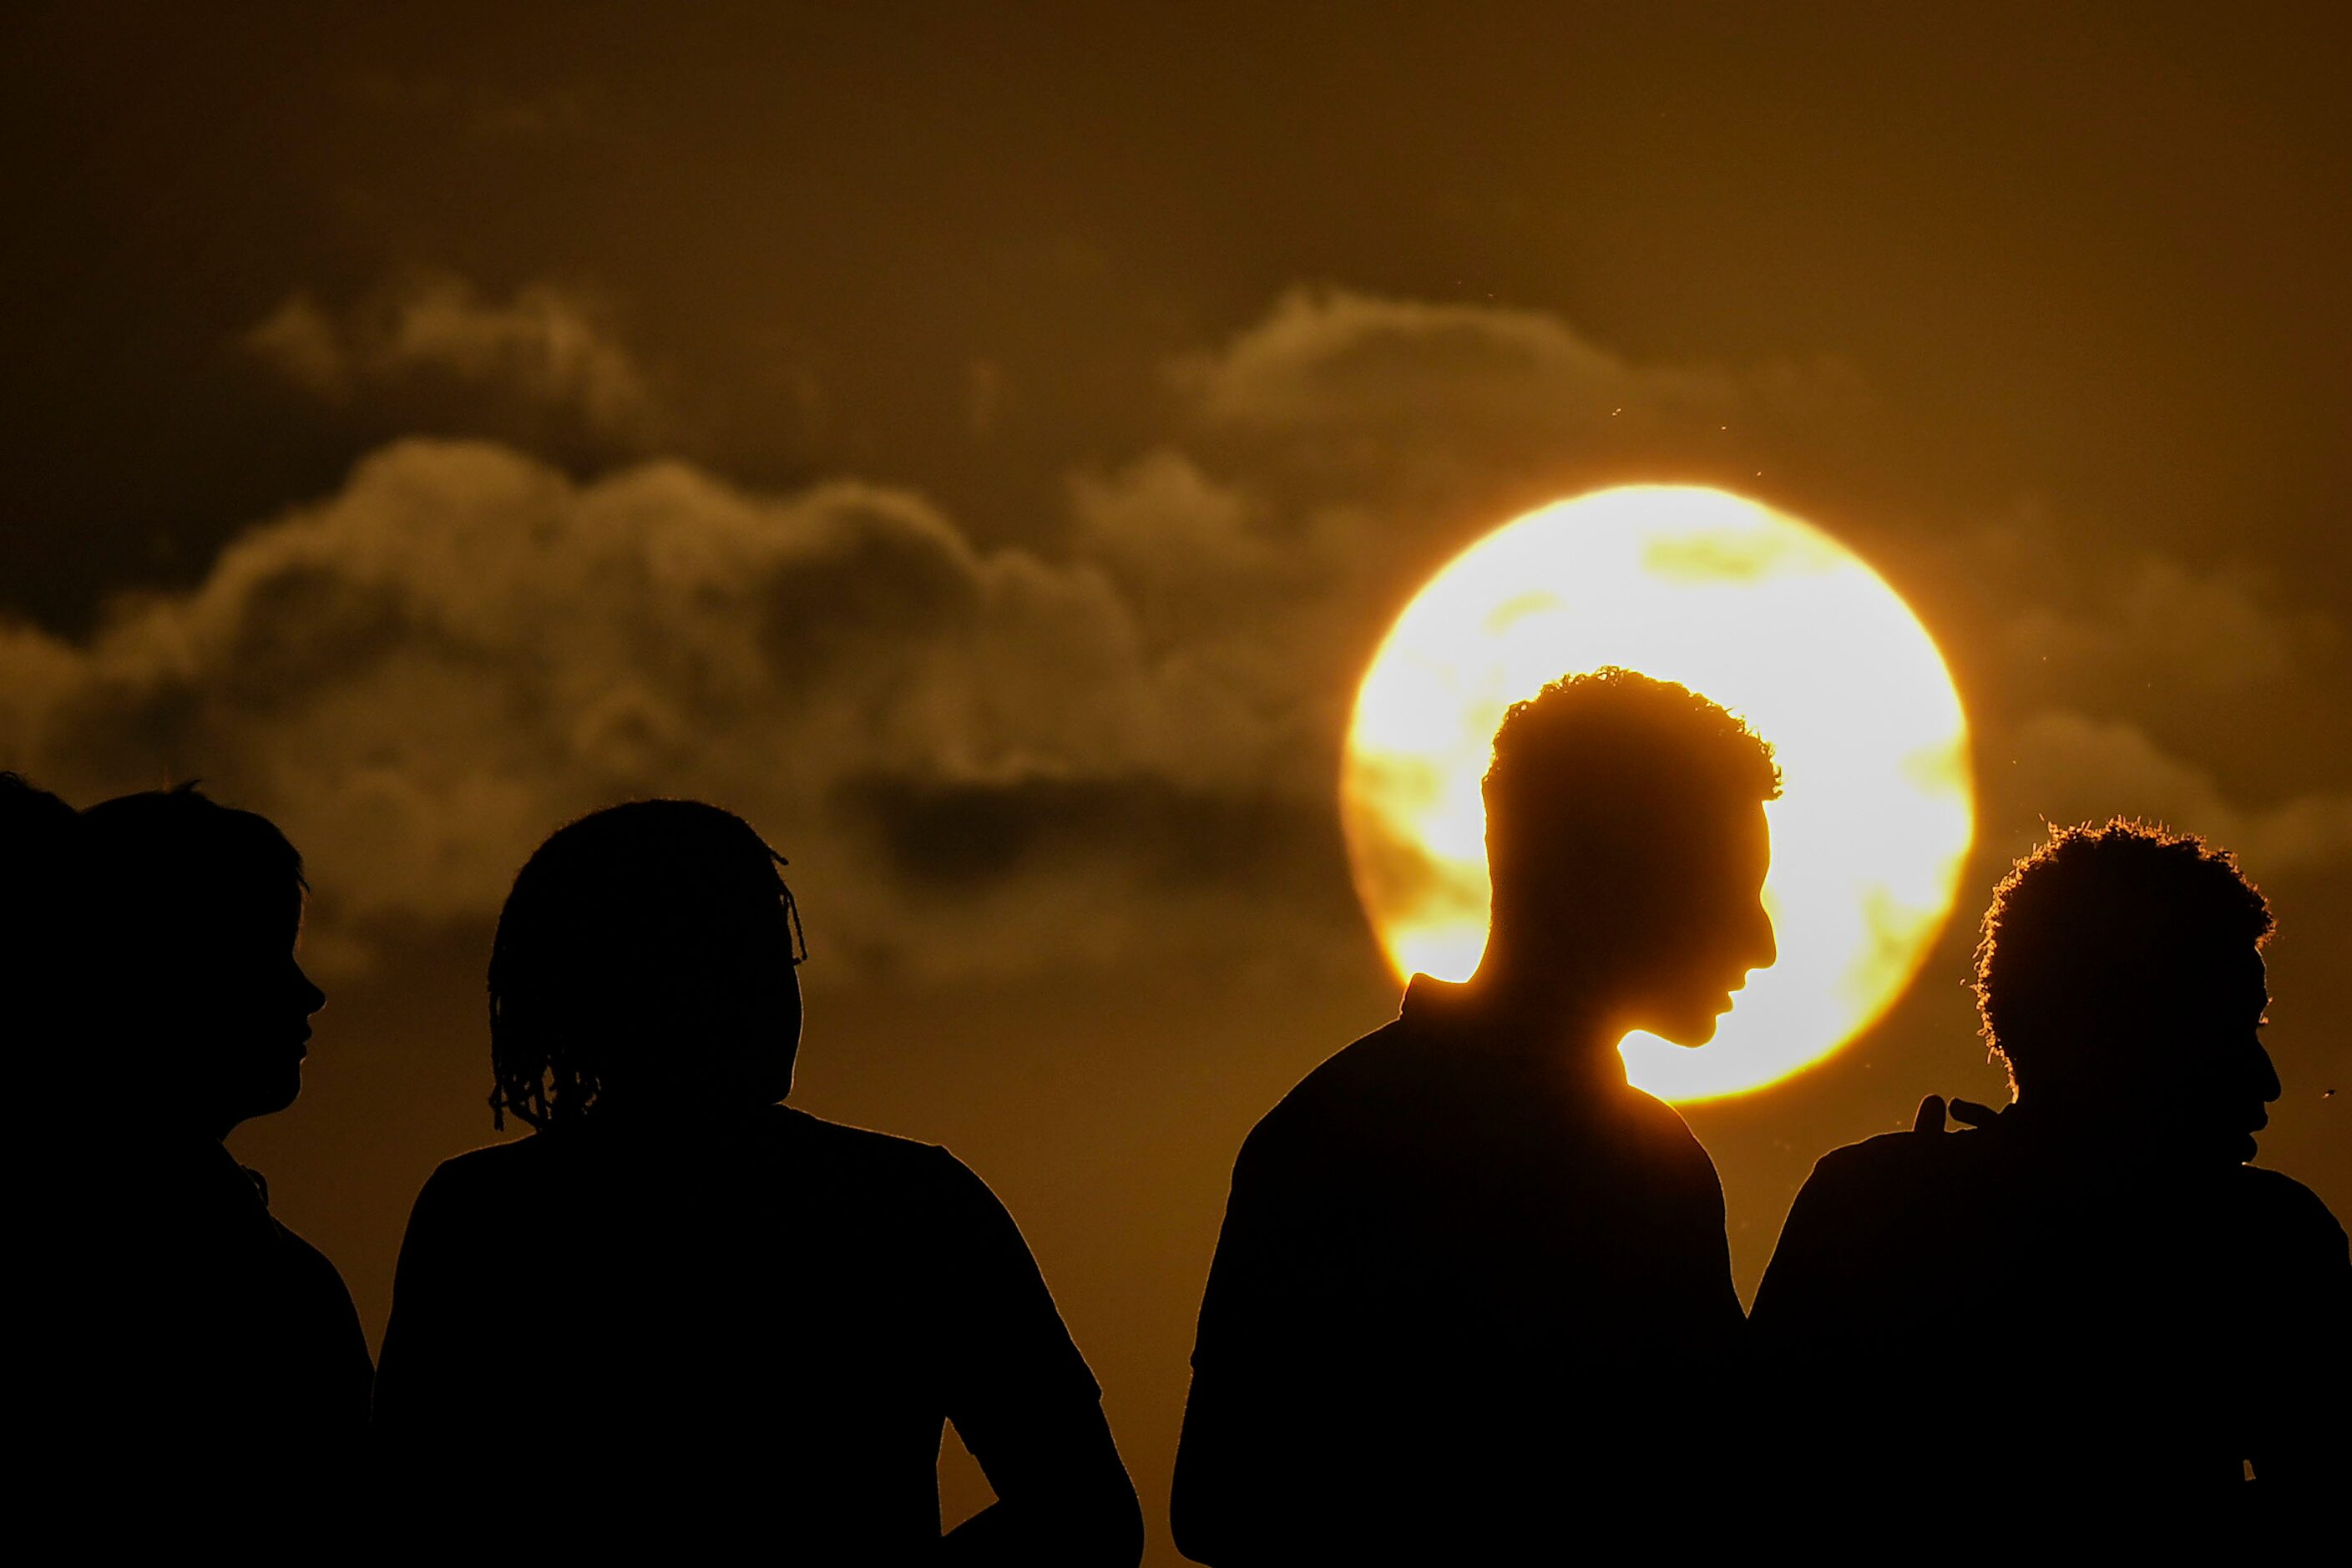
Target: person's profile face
<point>756,969</point>
<point>2218,1076</point>
<point>233,1016</point>
<point>1708,929</point>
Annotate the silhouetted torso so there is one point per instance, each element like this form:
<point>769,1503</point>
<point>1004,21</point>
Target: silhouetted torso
<point>2145,1330</point>
<point>203,1357</point>
<point>1462,1294</point>
<point>758,1322</point>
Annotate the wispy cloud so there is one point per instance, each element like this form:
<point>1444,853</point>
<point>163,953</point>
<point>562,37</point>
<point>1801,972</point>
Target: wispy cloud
<point>542,345</point>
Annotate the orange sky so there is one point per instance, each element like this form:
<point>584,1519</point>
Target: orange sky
<point>986,449</point>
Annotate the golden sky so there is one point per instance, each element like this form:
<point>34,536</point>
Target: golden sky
<point>985,449</point>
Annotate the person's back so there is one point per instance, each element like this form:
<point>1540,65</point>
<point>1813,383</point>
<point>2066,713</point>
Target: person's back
<point>718,1313</point>
<point>220,1343</point>
<point>1515,1285</point>
<point>1473,1288</point>
<point>762,1316</point>
<point>2142,1329</point>
<point>2157,1317</point>
<point>211,1355</point>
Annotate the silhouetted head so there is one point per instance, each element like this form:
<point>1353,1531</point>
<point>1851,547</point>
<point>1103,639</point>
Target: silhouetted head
<point>1627,847</point>
<point>192,978</point>
<point>2120,976</point>
<point>37,835</point>
<point>645,959</point>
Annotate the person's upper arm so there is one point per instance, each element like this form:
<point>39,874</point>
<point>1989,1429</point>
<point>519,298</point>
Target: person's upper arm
<point>1805,1292</point>
<point>1017,1386</point>
<point>2304,1446</point>
<point>1701,1209</point>
<point>1269,1267</point>
<point>1246,1475</point>
<point>434,1363</point>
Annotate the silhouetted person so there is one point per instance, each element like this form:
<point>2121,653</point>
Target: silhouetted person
<point>50,1241</point>
<point>1473,1288</point>
<point>2156,1314</point>
<point>37,831</point>
<point>211,1376</point>
<point>681,1314</point>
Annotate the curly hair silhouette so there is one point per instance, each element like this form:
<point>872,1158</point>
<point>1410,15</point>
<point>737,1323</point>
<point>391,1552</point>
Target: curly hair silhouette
<point>2169,1315</point>
<point>1625,843</point>
<point>1470,1280</point>
<point>2111,933</point>
<point>1587,751</point>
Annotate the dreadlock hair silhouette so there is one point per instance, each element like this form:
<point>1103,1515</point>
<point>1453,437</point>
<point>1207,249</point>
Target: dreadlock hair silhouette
<point>2109,943</point>
<point>645,953</point>
<point>780,1313</point>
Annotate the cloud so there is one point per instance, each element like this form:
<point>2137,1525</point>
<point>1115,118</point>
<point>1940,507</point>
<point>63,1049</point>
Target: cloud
<point>1334,360</point>
<point>2070,767</point>
<point>1421,410</point>
<point>2155,623</point>
<point>978,757</point>
<point>424,673</point>
<point>544,346</point>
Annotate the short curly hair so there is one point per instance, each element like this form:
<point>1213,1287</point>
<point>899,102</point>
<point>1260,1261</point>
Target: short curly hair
<point>2101,917</point>
<point>1614,737</point>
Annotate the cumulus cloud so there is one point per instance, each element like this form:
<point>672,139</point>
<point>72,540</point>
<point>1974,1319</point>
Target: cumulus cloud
<point>978,757</point>
<point>543,346</point>
<point>1420,412</point>
<point>1327,458</point>
<point>1109,746</point>
<point>2071,767</point>
<point>423,674</point>
<point>2137,677</point>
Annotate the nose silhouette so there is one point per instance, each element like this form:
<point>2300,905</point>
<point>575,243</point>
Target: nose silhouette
<point>1766,949</point>
<point>312,997</point>
<point>2267,1081</point>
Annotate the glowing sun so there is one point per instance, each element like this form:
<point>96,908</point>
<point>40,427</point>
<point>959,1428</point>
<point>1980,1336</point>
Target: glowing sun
<point>1766,614</point>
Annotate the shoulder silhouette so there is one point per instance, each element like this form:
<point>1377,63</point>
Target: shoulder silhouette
<point>681,1311</point>
<point>2159,1319</point>
<point>211,1355</point>
<point>1470,1282</point>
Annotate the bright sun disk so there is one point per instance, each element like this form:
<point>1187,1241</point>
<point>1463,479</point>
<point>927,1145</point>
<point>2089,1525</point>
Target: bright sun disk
<point>1766,614</point>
